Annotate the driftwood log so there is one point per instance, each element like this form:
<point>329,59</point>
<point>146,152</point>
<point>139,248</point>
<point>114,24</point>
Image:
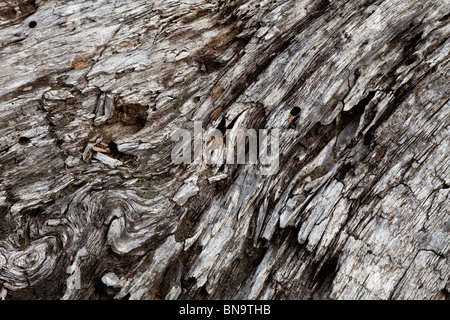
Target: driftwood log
<point>93,207</point>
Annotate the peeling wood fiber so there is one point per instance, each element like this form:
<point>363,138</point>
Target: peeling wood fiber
<point>91,92</point>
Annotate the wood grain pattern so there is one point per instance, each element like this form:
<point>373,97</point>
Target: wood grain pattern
<point>91,92</point>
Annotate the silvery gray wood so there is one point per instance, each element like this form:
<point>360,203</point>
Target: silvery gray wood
<point>91,93</point>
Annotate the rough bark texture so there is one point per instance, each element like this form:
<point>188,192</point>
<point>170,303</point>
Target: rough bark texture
<point>359,208</point>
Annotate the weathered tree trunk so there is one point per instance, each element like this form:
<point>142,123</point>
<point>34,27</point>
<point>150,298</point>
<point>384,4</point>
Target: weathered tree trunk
<point>91,92</point>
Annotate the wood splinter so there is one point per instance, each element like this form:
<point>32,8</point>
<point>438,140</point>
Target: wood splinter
<point>97,149</point>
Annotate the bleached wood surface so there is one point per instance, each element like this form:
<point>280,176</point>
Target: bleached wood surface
<point>359,208</point>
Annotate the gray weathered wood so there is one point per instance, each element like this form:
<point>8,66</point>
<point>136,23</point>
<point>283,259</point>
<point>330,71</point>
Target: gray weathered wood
<point>91,92</point>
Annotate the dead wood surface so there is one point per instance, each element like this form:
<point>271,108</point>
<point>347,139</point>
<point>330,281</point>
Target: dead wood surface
<point>91,92</point>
